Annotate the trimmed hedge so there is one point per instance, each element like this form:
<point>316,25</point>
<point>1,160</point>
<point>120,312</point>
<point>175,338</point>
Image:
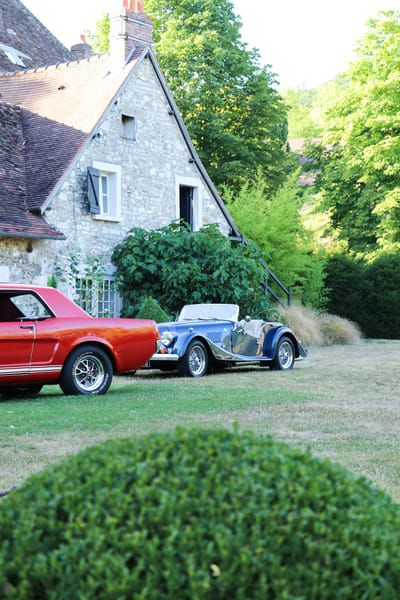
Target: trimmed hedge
<point>198,515</point>
<point>367,293</point>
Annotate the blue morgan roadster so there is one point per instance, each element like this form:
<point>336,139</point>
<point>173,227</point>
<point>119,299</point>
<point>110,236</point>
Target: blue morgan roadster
<point>209,335</point>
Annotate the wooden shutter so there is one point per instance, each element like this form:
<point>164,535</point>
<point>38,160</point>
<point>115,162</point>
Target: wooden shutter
<point>93,190</point>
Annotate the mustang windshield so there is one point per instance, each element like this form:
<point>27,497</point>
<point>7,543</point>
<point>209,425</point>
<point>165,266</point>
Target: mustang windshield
<point>220,312</point>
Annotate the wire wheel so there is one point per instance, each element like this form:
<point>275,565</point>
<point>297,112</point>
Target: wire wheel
<point>197,360</point>
<point>194,363</point>
<point>285,355</point>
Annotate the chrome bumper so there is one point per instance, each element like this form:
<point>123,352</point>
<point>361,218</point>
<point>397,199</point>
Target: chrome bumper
<point>164,357</point>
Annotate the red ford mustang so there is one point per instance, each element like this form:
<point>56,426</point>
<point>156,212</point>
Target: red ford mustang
<point>46,338</point>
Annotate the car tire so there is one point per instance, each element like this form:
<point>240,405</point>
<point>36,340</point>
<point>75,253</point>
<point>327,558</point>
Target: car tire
<point>21,390</point>
<point>88,371</point>
<point>284,355</point>
<point>194,363</point>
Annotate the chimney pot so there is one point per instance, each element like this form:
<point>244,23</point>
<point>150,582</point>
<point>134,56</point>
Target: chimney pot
<point>82,50</point>
<point>135,5</point>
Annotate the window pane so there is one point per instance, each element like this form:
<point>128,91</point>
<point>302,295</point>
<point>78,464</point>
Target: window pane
<point>105,194</point>
<point>30,306</point>
<point>84,292</point>
<point>98,298</point>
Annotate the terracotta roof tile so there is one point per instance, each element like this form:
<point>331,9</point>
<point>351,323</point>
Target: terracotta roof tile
<point>15,220</point>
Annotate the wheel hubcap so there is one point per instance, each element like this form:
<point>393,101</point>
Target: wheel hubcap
<point>285,355</point>
<point>197,360</point>
<point>88,372</point>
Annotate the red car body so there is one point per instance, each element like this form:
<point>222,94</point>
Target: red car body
<point>46,338</point>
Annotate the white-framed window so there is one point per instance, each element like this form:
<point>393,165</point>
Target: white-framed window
<point>104,191</point>
<point>189,201</point>
<point>98,297</point>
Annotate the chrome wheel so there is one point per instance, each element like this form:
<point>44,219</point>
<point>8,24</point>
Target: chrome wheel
<point>194,362</point>
<point>197,360</point>
<point>285,355</point>
<point>88,372</point>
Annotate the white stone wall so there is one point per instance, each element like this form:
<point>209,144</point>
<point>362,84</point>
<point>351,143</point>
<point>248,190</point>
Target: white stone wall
<point>150,167</point>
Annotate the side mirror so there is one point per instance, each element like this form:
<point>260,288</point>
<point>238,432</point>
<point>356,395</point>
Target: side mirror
<point>247,319</point>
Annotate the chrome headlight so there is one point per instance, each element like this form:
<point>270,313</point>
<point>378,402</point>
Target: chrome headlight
<point>166,338</point>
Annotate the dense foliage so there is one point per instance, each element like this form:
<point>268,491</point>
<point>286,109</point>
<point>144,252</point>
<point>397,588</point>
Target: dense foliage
<point>359,161</point>
<point>302,117</point>
<point>367,293</point>
<point>100,41</point>
<point>274,223</point>
<point>176,267</point>
<point>307,107</point>
<point>198,514</point>
<point>233,112</point>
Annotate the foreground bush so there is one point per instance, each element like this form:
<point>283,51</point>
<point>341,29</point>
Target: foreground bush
<point>198,515</point>
<point>315,329</point>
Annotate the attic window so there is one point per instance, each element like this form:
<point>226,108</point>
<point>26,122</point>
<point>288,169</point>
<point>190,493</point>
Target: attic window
<point>128,123</point>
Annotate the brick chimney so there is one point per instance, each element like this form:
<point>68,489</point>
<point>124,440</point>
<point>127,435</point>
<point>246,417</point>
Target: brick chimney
<point>82,50</point>
<point>130,28</point>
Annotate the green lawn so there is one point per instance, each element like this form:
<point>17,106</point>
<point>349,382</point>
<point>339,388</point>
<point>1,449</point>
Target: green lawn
<point>342,402</point>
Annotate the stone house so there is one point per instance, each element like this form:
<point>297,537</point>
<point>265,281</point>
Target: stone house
<point>89,149</point>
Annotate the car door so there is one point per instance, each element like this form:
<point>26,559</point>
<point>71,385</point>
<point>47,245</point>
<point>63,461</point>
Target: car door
<point>49,333</point>
<point>16,341</point>
<point>39,317</point>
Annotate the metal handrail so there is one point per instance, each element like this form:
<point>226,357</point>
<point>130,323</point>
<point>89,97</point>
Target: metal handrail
<point>271,274</point>
<point>269,290</point>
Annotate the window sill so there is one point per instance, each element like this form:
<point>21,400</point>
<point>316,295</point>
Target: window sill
<point>107,218</point>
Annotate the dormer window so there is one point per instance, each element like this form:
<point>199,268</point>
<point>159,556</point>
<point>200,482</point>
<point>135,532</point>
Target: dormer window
<point>128,125</point>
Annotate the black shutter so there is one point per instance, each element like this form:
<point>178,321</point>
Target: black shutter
<point>93,190</point>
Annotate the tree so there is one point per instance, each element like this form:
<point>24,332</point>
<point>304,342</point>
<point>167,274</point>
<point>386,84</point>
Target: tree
<point>302,122</point>
<point>234,114</point>
<point>307,107</point>
<point>100,41</point>
<point>360,168</point>
<point>274,223</point>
